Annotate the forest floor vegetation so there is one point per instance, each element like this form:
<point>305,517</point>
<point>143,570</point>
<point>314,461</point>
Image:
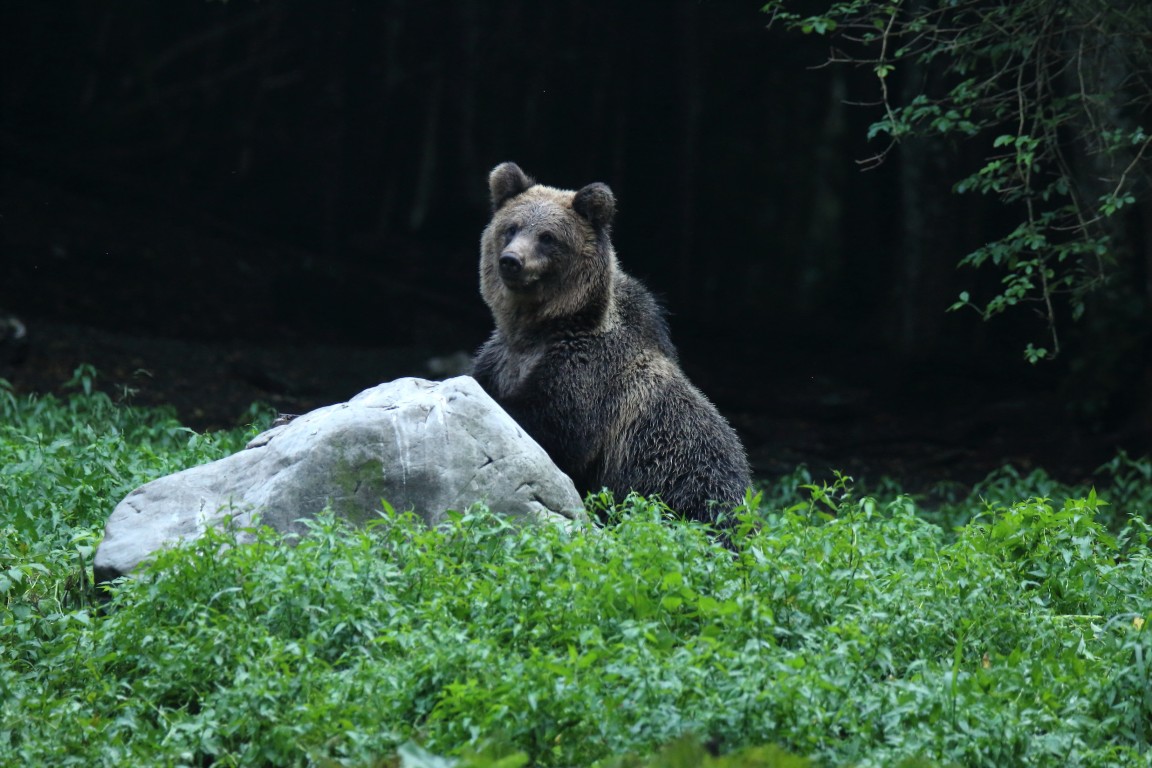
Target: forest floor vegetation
<point>998,625</point>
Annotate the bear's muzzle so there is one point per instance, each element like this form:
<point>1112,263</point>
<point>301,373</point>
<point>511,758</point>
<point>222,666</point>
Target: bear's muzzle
<point>516,274</point>
<point>511,265</point>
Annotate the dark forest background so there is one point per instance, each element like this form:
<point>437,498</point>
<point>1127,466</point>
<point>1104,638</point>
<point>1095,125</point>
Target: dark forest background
<point>314,174</point>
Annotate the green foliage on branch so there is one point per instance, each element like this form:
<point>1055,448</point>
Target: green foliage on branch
<point>1055,92</point>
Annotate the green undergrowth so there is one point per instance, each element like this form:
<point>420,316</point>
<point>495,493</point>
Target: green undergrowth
<point>1002,628</point>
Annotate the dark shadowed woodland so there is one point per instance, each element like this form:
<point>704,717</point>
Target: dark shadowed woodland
<point>221,203</point>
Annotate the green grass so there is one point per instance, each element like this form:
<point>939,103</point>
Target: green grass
<point>996,628</point>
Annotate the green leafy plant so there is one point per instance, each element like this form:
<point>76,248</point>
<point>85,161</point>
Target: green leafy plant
<point>840,628</point>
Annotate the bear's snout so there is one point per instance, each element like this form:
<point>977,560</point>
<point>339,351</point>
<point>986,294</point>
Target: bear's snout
<point>511,265</point>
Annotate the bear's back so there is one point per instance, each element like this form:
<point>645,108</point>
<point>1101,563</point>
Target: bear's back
<point>641,316</point>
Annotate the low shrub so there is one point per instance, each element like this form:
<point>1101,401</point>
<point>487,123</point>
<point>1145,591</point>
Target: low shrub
<point>835,629</point>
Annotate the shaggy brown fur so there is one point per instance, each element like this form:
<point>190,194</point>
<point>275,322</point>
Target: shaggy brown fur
<point>582,360</point>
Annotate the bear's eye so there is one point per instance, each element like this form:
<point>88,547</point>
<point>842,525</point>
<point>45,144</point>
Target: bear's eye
<point>510,233</point>
<point>548,239</point>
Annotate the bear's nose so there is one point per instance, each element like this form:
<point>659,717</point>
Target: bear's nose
<point>510,264</point>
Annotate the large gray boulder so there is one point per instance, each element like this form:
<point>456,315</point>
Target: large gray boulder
<point>421,445</point>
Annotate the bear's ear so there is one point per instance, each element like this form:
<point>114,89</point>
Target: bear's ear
<point>505,182</point>
<point>596,203</point>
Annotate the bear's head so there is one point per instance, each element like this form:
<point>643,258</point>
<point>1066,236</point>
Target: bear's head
<point>546,255</point>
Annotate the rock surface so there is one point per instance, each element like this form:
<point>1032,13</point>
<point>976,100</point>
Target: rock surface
<point>421,445</point>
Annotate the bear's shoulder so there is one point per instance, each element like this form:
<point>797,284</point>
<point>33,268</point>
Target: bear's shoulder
<point>642,315</point>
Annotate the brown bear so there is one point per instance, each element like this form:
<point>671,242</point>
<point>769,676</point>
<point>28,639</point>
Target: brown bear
<point>582,360</point>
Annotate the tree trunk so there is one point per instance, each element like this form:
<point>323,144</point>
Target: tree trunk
<point>928,238</point>
<point>688,269</point>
